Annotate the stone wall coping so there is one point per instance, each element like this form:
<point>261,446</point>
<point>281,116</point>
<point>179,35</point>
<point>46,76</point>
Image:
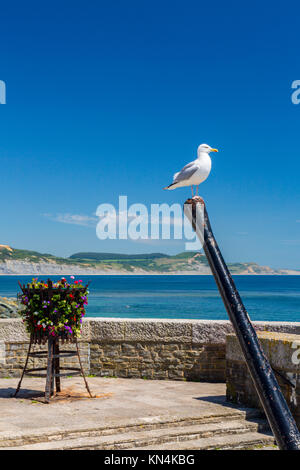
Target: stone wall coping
<point>150,330</point>
<point>181,320</point>
<point>273,336</point>
<point>280,348</point>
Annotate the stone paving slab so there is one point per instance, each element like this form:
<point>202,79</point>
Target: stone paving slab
<point>119,402</point>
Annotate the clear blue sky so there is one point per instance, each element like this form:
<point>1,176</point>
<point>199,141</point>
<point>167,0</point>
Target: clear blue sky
<point>108,98</point>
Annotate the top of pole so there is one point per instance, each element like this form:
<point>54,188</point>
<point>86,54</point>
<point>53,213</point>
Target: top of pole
<point>195,200</point>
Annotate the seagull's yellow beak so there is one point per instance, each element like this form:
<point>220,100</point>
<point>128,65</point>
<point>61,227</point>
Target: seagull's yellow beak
<point>214,150</point>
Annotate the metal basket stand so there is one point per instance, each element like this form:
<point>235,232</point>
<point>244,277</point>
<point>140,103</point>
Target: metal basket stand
<point>53,369</point>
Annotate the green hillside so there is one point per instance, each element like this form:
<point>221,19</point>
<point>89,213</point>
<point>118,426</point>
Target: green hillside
<point>156,262</point>
<point>28,255</point>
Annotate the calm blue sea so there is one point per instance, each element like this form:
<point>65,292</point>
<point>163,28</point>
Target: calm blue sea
<point>191,297</point>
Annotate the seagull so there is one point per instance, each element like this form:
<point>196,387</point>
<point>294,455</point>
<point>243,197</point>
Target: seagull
<point>195,172</point>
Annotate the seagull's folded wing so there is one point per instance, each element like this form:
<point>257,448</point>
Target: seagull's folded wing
<point>186,172</point>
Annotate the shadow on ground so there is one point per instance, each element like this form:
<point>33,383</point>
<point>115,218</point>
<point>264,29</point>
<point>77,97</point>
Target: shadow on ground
<point>67,394</point>
<point>24,393</point>
<point>221,400</point>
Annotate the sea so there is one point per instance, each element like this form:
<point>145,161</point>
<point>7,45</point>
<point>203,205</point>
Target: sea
<point>267,298</point>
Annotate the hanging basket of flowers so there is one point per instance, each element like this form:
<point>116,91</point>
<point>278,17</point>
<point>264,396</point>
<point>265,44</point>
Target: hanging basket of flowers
<point>53,309</point>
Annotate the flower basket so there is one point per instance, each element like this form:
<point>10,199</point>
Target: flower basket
<point>53,309</point>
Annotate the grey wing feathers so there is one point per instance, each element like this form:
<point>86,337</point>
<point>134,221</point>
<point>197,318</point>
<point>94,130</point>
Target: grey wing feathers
<point>186,172</point>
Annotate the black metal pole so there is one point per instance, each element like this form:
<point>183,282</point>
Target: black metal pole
<point>277,411</point>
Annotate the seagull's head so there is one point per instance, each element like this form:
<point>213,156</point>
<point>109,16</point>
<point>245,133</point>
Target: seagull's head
<point>204,148</point>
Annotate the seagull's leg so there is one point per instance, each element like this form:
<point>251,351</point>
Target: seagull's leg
<point>192,191</point>
<point>197,189</point>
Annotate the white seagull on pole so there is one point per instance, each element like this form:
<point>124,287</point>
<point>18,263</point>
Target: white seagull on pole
<point>196,172</point>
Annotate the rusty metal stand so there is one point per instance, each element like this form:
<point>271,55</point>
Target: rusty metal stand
<point>277,411</point>
<point>53,368</point>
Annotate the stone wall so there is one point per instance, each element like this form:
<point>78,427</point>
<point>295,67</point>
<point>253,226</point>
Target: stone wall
<point>152,349</point>
<point>283,352</point>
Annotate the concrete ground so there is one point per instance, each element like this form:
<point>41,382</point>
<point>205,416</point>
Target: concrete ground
<point>117,401</point>
<point>127,414</point>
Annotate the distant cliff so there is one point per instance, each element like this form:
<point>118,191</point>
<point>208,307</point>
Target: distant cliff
<point>14,261</point>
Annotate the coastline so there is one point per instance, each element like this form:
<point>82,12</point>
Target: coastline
<point>15,262</point>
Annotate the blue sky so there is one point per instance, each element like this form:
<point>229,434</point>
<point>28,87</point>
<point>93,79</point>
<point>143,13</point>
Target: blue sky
<point>111,98</point>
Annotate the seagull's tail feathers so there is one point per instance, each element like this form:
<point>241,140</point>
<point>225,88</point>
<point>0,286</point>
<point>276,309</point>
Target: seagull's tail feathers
<point>171,186</point>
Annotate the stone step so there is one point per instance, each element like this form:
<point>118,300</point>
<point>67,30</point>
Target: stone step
<point>16,439</point>
<point>245,441</point>
<point>263,447</point>
<point>186,436</point>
